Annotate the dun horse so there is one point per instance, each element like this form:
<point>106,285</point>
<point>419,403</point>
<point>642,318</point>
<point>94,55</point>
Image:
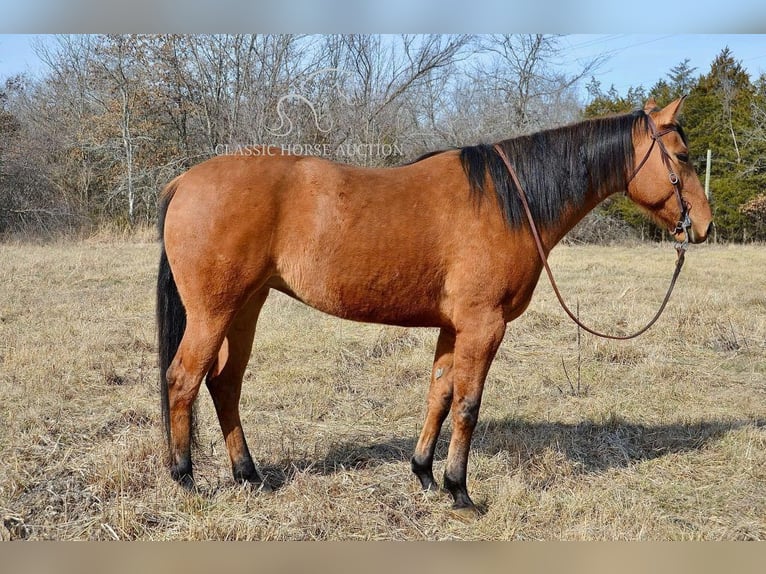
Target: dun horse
<point>441,242</point>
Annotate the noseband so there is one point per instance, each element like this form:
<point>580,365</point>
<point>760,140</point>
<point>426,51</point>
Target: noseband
<point>683,224</point>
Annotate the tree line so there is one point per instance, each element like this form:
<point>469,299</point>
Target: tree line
<point>113,118</point>
<point>725,112</point>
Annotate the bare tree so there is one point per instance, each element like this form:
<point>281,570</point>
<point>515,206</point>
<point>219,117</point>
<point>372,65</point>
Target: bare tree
<point>382,77</point>
<point>728,94</point>
<point>118,62</point>
<point>522,78</point>
<point>31,192</point>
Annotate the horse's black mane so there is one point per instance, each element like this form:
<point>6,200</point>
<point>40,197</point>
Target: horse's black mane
<point>556,167</point>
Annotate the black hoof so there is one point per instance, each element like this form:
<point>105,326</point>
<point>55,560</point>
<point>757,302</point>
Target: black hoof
<point>459,494</point>
<point>183,478</point>
<point>246,474</point>
<point>425,475</point>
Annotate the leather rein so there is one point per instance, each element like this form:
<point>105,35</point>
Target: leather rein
<point>682,225</point>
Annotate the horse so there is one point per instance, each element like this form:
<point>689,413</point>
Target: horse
<point>441,242</point>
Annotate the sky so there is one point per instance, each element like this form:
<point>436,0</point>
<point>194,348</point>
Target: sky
<point>630,59</point>
<point>643,59</point>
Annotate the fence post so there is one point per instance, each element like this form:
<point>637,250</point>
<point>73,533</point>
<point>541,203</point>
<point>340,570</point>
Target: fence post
<point>707,190</point>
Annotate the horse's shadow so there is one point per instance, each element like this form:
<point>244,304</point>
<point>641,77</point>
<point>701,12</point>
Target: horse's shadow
<point>592,447</point>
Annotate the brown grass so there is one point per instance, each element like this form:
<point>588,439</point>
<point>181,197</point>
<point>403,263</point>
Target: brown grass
<point>664,439</point>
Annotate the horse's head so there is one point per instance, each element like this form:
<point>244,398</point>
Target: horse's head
<point>664,182</point>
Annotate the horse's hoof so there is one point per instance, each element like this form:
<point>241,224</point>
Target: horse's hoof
<point>184,479</point>
<point>259,486</point>
<point>432,492</point>
<point>264,488</point>
<point>465,513</point>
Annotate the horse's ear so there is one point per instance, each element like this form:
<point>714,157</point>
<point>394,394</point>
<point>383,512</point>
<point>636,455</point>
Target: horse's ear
<point>669,113</point>
<point>679,104</point>
<point>651,106</point>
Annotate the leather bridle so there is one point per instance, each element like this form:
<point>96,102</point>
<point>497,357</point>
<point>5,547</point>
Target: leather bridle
<point>683,224</point>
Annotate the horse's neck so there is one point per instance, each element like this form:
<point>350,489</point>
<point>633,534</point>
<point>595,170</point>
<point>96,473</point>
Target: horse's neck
<point>554,232</point>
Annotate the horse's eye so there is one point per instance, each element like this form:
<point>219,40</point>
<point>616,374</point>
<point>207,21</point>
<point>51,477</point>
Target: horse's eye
<point>683,157</point>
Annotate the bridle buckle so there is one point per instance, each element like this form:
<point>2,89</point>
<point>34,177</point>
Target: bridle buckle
<point>684,226</point>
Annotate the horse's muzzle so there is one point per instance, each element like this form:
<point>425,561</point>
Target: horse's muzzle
<point>696,237</point>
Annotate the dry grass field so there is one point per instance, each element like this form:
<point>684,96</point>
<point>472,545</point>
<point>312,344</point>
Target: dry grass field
<point>665,439</point>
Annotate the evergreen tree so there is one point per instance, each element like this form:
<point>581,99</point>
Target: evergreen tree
<point>608,103</point>
<point>719,117</point>
<point>682,79</point>
<point>663,93</point>
<point>754,210</point>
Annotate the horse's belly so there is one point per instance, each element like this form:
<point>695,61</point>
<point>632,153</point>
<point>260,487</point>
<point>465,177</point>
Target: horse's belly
<point>393,300</point>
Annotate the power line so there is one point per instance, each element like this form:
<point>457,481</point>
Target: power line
<point>622,49</point>
<point>597,41</point>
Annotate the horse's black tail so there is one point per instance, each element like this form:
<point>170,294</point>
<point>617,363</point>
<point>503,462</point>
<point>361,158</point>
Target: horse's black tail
<point>171,315</point>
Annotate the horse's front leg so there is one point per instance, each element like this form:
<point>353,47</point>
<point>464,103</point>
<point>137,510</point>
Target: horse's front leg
<point>475,346</point>
<point>439,402</point>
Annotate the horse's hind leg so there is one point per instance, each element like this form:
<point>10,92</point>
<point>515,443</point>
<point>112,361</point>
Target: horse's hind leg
<point>194,358</point>
<point>439,401</point>
<point>225,388</point>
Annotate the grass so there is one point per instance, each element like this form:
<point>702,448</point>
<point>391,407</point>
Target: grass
<point>663,440</point>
